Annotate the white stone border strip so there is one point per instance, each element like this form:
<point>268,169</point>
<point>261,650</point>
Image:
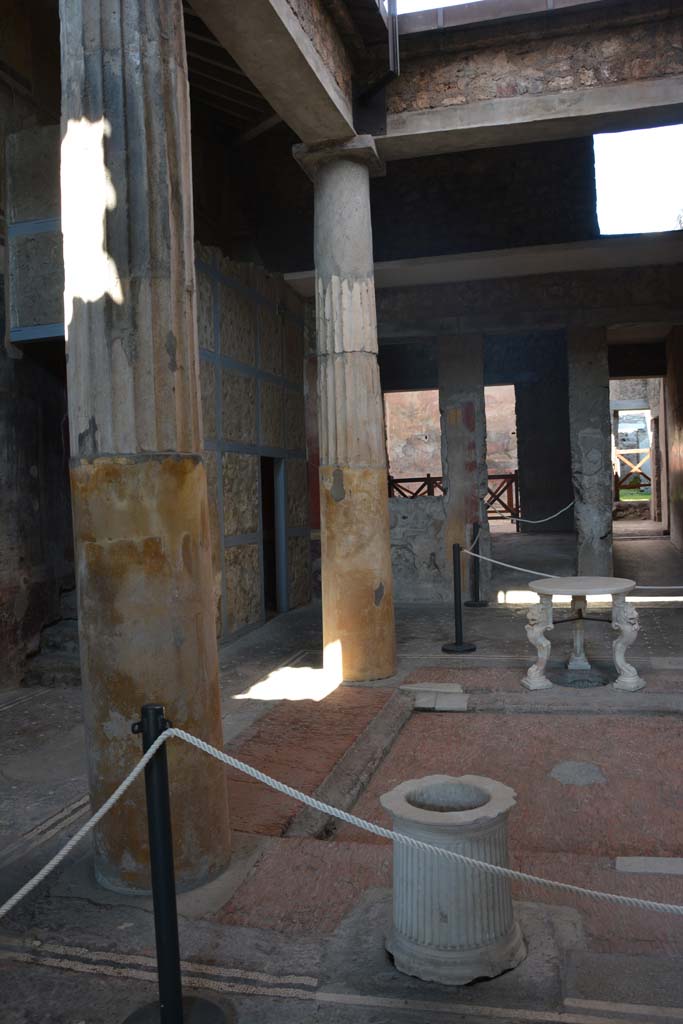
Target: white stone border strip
<point>650,865</point>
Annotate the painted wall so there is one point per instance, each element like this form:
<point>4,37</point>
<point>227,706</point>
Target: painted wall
<point>501,428</point>
<point>251,343</point>
<point>413,427</point>
<point>674,407</point>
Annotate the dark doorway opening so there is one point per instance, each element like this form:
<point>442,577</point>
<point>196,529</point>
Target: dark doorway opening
<point>269,535</point>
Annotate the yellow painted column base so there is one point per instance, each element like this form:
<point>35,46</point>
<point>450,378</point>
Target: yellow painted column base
<point>146,622</point>
<point>357,591</point>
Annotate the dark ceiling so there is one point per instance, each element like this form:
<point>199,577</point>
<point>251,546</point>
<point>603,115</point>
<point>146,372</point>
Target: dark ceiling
<point>217,83</point>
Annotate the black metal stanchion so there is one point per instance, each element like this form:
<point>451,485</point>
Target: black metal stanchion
<point>476,601</point>
<point>459,647</point>
<point>172,1007</point>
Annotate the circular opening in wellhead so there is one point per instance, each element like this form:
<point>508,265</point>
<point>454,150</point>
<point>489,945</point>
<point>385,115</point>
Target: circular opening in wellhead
<point>447,797</point>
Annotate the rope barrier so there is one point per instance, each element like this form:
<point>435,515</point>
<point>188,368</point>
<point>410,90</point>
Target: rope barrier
<point>506,565</point>
<point>536,522</point>
<point>334,812</point>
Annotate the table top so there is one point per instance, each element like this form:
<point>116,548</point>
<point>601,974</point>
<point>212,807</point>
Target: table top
<point>581,586</point>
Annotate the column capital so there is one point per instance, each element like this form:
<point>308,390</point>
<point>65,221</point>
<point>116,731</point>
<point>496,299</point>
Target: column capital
<point>360,148</point>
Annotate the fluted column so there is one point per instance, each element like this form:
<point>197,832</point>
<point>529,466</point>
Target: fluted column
<point>357,590</point>
<point>138,482</point>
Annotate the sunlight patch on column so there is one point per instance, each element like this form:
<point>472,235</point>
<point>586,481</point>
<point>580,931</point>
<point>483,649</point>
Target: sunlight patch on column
<point>87,195</point>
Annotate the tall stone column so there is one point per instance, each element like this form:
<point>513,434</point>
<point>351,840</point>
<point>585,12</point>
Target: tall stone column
<point>463,448</point>
<point>141,524</point>
<point>357,590</point>
<point>591,436</point>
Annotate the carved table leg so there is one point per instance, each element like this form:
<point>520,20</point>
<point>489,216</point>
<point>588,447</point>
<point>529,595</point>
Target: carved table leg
<point>625,619</point>
<point>540,617</point>
<point>578,659</point>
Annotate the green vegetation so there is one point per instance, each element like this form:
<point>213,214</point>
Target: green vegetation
<point>630,494</point>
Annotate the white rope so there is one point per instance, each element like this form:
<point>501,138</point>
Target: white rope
<point>536,522</point>
<point>506,565</point>
<point>83,831</point>
<point>333,812</point>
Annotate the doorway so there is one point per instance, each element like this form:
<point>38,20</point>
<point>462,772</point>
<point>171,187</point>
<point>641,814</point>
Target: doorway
<point>273,536</point>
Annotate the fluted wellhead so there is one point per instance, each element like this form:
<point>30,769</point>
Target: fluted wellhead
<point>452,922</point>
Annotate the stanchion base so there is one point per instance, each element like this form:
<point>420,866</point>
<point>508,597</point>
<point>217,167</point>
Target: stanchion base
<point>476,604</point>
<point>458,648</point>
<point>195,1011</point>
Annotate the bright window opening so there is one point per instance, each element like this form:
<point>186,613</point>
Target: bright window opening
<point>639,180</point>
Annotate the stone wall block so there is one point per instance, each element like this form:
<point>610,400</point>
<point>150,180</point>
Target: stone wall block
<point>207,383</point>
<point>205,330</point>
<point>238,325</point>
<point>239,407</point>
<point>295,420</point>
<point>36,280</point>
<point>294,352</point>
<point>243,586</point>
<point>299,563</point>
<point>297,493</point>
<point>240,494</point>
<point>270,340</point>
<point>272,415</point>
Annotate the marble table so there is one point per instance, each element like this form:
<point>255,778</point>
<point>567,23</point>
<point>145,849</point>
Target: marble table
<point>540,620</point>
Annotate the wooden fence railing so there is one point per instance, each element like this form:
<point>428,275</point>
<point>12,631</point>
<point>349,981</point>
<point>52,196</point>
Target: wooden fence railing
<point>502,499</point>
<point>632,467</point>
<point>415,486</point>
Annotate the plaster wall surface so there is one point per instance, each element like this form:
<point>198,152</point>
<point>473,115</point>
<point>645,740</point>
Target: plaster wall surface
<point>251,347</point>
<point>422,571</point>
